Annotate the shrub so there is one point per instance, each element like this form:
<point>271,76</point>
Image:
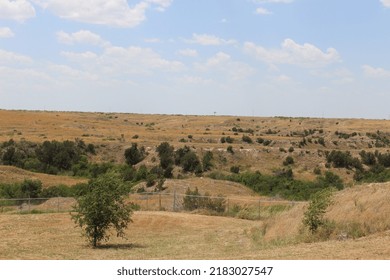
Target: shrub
<point>207,161</point>
<point>321,141</point>
<point>289,160</point>
<point>314,215</point>
<point>57,191</point>
<point>235,169</point>
<point>31,188</point>
<point>229,140</point>
<point>165,152</point>
<point>133,155</point>
<point>187,159</point>
<point>247,139</point>
<point>230,149</point>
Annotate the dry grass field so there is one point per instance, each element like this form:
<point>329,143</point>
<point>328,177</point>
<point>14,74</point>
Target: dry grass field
<point>113,132</point>
<point>167,235</point>
<point>360,213</point>
<point>162,235</point>
<point>10,174</point>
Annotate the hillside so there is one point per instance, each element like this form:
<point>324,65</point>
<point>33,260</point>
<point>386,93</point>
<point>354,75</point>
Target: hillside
<point>273,139</point>
<point>10,174</point>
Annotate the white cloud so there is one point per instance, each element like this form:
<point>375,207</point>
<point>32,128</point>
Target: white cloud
<point>70,73</point>
<point>81,37</point>
<point>209,40</point>
<point>195,80</point>
<point>282,79</point>
<point>306,55</point>
<point>372,72</point>
<point>386,3</point>
<point>116,62</point>
<point>6,32</point>
<point>18,10</point>
<point>162,5</point>
<point>222,65</point>
<point>218,59</point>
<point>136,59</point>
<point>12,58</point>
<point>79,56</point>
<point>262,11</point>
<point>116,13</point>
<point>188,52</point>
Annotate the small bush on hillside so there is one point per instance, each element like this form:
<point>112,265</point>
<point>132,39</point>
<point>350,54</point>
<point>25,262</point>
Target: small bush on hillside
<point>235,169</point>
<point>289,160</point>
<point>247,139</point>
<point>133,155</point>
<point>314,215</point>
<point>207,161</point>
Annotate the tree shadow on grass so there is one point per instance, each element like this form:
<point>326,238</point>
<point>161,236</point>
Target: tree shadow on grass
<point>119,246</point>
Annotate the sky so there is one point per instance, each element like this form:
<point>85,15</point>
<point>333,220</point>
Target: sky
<point>297,58</point>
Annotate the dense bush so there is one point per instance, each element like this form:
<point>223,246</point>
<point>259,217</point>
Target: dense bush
<point>247,139</point>
<point>166,154</point>
<point>207,161</point>
<point>133,155</point>
<point>341,159</point>
<point>188,160</point>
<point>283,186</point>
<point>289,160</point>
<point>50,157</point>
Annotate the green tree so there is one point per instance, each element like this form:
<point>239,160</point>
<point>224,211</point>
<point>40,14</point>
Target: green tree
<point>165,152</point>
<point>207,160</point>
<point>103,207</point>
<point>31,188</point>
<point>314,215</point>
<point>134,155</point>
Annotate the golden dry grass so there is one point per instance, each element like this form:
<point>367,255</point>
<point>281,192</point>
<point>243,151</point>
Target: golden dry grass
<point>167,235</point>
<point>116,131</point>
<point>357,211</point>
<point>161,235</point>
<point>10,174</point>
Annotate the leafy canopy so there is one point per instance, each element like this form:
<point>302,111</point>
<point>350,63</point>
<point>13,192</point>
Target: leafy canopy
<point>101,208</point>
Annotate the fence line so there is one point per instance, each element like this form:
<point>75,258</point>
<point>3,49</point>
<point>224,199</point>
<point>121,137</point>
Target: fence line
<point>158,201</point>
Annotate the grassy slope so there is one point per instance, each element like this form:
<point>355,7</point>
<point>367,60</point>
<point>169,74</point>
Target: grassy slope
<point>161,235</point>
<point>112,133</point>
<point>183,236</point>
<point>10,174</point>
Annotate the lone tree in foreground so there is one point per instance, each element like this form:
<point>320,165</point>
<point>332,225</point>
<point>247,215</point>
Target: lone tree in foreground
<point>102,207</point>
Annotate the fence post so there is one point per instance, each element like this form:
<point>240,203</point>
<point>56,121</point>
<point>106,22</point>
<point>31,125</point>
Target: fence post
<point>147,202</point>
<point>58,204</point>
<point>174,200</point>
<point>227,206</point>
<point>159,202</point>
<point>29,202</point>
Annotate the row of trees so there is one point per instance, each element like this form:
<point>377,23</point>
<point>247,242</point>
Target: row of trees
<point>50,157</point>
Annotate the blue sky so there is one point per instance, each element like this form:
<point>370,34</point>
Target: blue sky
<point>233,57</point>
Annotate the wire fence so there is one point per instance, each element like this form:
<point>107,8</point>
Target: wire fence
<point>37,205</point>
<point>237,206</point>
